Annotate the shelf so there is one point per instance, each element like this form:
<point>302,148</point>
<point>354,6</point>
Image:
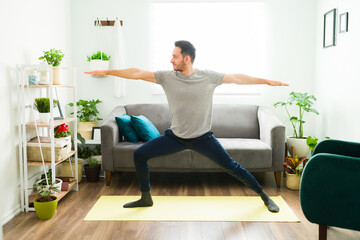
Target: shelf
<point>59,196</point>
<point>47,86</point>
<point>32,163</point>
<point>56,122</point>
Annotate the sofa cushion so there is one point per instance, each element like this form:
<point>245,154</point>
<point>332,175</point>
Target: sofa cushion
<point>250,153</point>
<point>144,128</point>
<point>126,129</point>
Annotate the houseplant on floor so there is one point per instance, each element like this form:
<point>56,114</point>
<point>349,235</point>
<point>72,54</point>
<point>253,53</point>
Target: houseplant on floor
<point>46,202</point>
<point>88,116</point>
<point>92,169</point>
<point>293,169</point>
<point>99,61</point>
<point>42,105</point>
<point>304,103</point>
<point>54,57</point>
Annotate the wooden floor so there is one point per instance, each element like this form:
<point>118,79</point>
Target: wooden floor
<point>68,221</point>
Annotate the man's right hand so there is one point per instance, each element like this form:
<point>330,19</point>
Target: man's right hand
<point>99,73</point>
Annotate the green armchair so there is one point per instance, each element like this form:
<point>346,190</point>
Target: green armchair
<point>330,186</point>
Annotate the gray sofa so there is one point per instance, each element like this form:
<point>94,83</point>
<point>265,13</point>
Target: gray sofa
<point>252,135</point>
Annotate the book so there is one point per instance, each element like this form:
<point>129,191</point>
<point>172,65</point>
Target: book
<point>67,185</point>
<point>67,179</point>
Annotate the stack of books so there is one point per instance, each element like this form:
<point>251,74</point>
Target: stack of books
<point>68,182</point>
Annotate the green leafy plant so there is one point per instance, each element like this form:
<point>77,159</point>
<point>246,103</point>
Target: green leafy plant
<point>62,131</point>
<point>304,103</point>
<point>53,57</point>
<point>86,151</point>
<point>87,110</point>
<point>42,105</point>
<point>46,191</point>
<point>312,142</point>
<point>92,162</point>
<point>97,56</point>
<point>292,165</point>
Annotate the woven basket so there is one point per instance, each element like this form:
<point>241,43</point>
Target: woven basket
<point>62,148</point>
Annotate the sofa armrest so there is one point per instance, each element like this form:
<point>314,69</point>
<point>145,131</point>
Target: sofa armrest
<point>339,147</point>
<point>110,136</point>
<point>329,190</point>
<point>272,132</point>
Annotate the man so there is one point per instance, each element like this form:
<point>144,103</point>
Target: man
<point>189,93</point>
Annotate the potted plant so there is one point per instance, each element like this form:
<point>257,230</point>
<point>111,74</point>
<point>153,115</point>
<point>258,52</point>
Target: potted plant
<point>54,57</point>
<point>304,102</point>
<point>46,202</point>
<point>312,142</point>
<point>88,116</point>
<point>92,169</point>
<point>57,184</point>
<point>42,105</point>
<point>293,172</point>
<point>99,61</point>
<point>62,131</point>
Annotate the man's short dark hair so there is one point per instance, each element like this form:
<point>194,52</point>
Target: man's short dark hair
<point>187,49</point>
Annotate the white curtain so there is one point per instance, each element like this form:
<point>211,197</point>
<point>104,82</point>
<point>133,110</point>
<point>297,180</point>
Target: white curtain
<point>119,58</point>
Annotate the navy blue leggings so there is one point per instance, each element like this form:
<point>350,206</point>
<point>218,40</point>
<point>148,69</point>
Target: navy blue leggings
<point>206,145</point>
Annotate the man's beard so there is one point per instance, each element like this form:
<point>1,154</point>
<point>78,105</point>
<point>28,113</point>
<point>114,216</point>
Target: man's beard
<point>180,67</point>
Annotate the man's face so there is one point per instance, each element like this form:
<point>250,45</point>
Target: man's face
<point>177,60</point>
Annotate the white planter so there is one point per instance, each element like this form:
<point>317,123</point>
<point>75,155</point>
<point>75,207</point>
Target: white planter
<point>56,185</point>
<point>44,117</point>
<point>57,75</point>
<point>300,147</point>
<point>99,65</point>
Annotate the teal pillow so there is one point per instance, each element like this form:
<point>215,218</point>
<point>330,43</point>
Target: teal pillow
<point>125,128</point>
<point>144,128</point>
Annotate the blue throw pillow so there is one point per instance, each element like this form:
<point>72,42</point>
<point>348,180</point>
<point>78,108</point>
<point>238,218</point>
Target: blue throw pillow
<point>125,128</point>
<point>144,128</point>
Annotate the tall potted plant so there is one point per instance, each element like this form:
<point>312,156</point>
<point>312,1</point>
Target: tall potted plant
<point>293,170</point>
<point>88,116</point>
<point>42,105</point>
<point>54,57</point>
<point>99,61</point>
<point>304,103</point>
<point>46,202</point>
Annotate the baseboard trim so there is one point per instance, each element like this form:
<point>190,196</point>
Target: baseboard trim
<point>10,215</point>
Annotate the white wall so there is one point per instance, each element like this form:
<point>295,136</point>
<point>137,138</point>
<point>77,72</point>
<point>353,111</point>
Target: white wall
<point>291,42</point>
<point>337,74</point>
<point>29,28</point>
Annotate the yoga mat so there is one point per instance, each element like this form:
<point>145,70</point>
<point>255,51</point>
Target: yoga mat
<point>189,208</point>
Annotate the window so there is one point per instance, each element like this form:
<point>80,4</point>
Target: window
<point>229,37</point>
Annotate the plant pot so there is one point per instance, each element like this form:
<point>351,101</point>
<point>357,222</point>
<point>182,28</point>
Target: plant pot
<point>45,210</point>
<point>293,181</point>
<point>300,147</point>
<point>57,185</point>
<point>65,170</point>
<point>99,65</point>
<point>92,174</point>
<point>44,117</point>
<point>85,129</point>
<point>57,75</point>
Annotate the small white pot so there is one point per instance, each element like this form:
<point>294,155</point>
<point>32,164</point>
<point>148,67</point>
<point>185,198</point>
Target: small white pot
<point>99,65</point>
<point>44,117</point>
<point>57,185</point>
<point>57,75</point>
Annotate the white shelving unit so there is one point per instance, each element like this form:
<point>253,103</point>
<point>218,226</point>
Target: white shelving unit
<point>27,92</point>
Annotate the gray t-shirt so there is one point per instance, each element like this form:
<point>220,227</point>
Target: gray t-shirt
<point>190,100</point>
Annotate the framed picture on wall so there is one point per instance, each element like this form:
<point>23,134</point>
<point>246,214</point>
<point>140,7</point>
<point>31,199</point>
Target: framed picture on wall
<point>96,133</point>
<point>329,39</point>
<point>57,111</point>
<point>343,25</point>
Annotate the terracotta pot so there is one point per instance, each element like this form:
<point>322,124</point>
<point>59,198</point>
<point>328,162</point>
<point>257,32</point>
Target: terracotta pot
<point>293,181</point>
<point>85,129</point>
<point>300,147</point>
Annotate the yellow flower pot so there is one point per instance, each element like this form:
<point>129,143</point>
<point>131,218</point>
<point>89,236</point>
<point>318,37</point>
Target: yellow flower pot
<point>45,210</point>
<point>293,181</point>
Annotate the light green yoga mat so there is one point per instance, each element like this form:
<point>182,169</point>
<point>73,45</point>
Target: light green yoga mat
<point>188,208</point>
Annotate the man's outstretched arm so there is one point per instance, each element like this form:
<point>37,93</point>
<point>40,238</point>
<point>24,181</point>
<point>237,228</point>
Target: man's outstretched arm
<point>245,79</point>
<point>130,73</point>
